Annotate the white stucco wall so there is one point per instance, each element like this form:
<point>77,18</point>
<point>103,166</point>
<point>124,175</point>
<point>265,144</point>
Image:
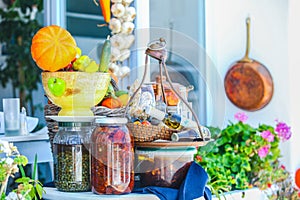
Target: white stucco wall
<point>274,42</point>
<point>294,80</point>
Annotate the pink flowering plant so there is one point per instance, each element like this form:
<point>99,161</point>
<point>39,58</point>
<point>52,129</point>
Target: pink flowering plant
<point>243,156</point>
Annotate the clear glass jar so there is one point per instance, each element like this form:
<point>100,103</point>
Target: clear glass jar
<point>71,152</point>
<point>112,162</point>
<point>162,166</point>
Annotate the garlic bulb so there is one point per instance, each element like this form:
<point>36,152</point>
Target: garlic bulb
<point>118,10</point>
<point>124,54</point>
<point>115,54</point>
<point>116,1</point>
<point>115,25</point>
<point>127,27</point>
<point>124,71</point>
<point>118,41</point>
<point>114,67</point>
<point>129,14</point>
<point>127,2</point>
<point>129,39</point>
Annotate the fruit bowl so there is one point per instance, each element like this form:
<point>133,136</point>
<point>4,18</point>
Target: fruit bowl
<point>75,92</point>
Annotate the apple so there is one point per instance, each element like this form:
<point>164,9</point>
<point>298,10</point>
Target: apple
<point>57,86</point>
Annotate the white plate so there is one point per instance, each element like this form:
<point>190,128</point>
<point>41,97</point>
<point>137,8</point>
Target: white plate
<point>73,118</point>
<point>32,122</point>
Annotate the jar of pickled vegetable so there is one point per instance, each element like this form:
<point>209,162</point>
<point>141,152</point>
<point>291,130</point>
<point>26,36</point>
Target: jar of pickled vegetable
<point>112,162</point>
<point>71,153</point>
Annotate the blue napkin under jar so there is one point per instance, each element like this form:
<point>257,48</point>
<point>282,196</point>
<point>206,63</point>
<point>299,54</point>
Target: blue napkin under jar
<point>192,187</point>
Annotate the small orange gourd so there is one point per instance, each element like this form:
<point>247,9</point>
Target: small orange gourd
<point>53,48</point>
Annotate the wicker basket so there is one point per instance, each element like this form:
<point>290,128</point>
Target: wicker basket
<point>52,125</point>
<point>140,133</point>
<point>150,133</point>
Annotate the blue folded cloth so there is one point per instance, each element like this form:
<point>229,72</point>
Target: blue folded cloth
<point>193,186</point>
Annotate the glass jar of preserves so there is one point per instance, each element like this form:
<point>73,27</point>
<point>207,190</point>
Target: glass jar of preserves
<point>112,162</point>
<point>162,166</point>
<point>71,153</point>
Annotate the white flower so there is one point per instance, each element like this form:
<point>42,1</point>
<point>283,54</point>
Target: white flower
<point>4,146</point>
<point>115,25</point>
<point>33,13</point>
<point>129,14</point>
<point>118,10</point>
<point>127,2</point>
<point>9,161</point>
<point>14,169</point>
<point>124,54</point>
<point>12,196</point>
<point>127,27</point>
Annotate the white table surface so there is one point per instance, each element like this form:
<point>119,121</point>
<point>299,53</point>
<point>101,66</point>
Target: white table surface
<point>54,194</point>
<point>34,143</point>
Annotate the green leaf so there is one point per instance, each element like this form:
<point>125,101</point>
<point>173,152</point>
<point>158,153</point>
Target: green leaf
<point>227,160</point>
<point>22,171</point>
<point>39,190</point>
<point>235,167</point>
<point>228,148</point>
<point>34,167</point>
<point>23,180</point>
<point>246,165</point>
<point>248,150</point>
<point>223,140</point>
<point>238,128</point>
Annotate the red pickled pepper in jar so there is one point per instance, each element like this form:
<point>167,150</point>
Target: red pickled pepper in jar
<point>112,157</point>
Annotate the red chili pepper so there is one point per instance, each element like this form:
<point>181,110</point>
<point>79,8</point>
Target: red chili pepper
<point>105,7</point>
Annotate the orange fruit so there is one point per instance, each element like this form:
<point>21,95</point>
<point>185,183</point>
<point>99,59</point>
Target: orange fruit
<point>53,48</point>
<point>297,178</point>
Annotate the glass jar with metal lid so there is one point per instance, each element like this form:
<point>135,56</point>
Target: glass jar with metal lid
<point>112,162</point>
<point>71,153</point>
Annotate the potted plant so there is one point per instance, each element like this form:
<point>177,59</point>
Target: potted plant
<point>18,24</point>
<point>243,156</point>
<point>11,162</point>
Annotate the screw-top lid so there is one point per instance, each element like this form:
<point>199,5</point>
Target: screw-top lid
<point>74,124</point>
<point>111,120</point>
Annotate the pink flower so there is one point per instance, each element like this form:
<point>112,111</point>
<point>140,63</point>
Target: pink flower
<point>267,135</point>
<point>283,130</point>
<point>240,116</point>
<point>263,151</point>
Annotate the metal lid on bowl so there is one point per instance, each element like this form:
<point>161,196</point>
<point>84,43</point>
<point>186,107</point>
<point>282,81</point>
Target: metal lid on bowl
<point>111,120</point>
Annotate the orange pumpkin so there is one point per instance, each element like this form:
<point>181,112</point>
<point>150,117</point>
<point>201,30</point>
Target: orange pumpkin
<point>53,48</point>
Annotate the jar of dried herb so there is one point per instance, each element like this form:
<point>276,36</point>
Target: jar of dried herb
<point>112,162</point>
<point>71,152</point>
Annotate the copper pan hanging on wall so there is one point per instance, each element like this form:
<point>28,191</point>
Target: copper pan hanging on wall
<point>248,83</point>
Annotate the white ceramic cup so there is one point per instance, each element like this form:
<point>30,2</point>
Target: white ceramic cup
<point>11,111</point>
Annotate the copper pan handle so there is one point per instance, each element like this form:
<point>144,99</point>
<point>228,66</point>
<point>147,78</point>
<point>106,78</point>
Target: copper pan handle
<point>246,56</point>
